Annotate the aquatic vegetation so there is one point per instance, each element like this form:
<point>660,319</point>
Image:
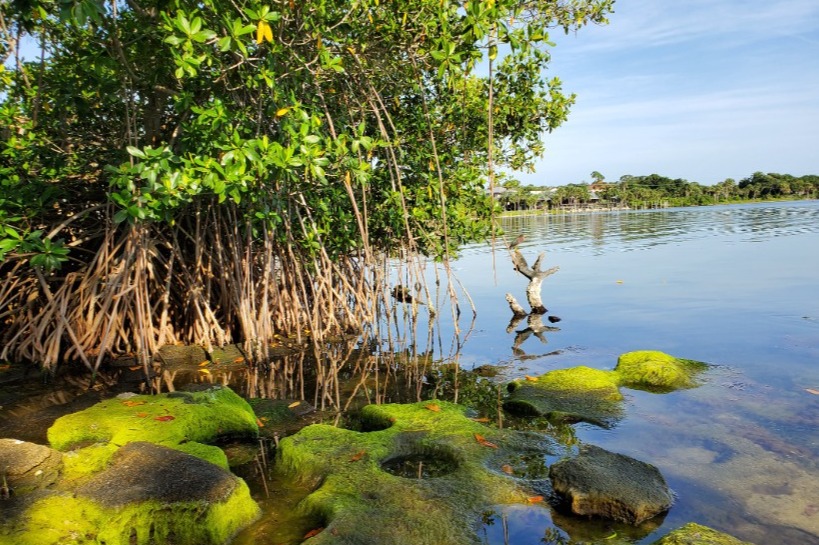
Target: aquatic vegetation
<point>697,534</point>
<point>367,485</point>
<point>654,370</point>
<point>181,420</point>
<point>592,395</point>
<point>578,393</point>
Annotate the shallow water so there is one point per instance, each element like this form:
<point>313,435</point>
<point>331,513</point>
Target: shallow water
<point>734,286</point>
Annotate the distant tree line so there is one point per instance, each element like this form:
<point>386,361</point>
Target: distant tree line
<point>654,190</point>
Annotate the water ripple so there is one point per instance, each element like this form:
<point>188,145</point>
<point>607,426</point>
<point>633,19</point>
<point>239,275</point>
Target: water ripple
<point>627,231</point>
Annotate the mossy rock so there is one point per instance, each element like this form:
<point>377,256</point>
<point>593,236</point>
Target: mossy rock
<point>575,394</point>
<point>149,495</point>
<point>179,420</point>
<point>696,534</point>
<point>360,501</point>
<point>657,371</point>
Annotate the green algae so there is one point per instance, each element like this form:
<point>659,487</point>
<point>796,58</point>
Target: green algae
<point>166,419</point>
<point>360,502</point>
<point>696,534</point>
<point>92,438</point>
<point>183,421</point>
<point>592,395</point>
<point>657,371</point>
<point>70,519</point>
<point>578,393</point>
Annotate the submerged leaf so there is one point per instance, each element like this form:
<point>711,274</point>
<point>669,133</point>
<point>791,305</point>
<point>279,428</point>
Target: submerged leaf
<point>509,470</point>
<point>812,391</point>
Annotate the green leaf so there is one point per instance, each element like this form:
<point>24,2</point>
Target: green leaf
<point>136,152</point>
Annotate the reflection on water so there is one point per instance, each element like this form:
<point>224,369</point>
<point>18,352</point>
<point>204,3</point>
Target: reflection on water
<point>627,231</point>
<point>735,286</point>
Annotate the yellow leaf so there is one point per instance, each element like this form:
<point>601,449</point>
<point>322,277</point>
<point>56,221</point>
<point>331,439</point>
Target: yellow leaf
<point>263,32</point>
<point>294,404</point>
<point>204,371</point>
<point>282,111</point>
<point>434,407</point>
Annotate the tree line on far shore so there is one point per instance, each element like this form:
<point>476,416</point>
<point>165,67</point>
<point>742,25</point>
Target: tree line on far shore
<point>654,191</point>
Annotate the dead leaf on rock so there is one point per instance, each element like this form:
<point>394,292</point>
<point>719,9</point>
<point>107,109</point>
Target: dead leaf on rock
<point>358,455</point>
<point>314,532</point>
<point>482,440</point>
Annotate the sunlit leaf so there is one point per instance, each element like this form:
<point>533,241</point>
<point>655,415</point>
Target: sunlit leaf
<point>434,407</point>
<point>263,32</point>
<point>534,499</point>
<point>165,418</point>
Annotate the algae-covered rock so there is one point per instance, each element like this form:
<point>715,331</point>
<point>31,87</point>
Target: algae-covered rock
<point>419,477</point>
<point>27,466</point>
<point>180,420</point>
<point>136,471</point>
<point>696,534</point>
<point>575,394</point>
<point>606,484</point>
<point>653,370</point>
<point>149,495</point>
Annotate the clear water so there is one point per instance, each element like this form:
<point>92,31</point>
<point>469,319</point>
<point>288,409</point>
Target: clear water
<point>735,286</point>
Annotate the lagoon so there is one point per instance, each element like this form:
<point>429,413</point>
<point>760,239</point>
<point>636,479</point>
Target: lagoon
<point>736,286</point>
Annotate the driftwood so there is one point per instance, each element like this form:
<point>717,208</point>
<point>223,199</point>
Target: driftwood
<point>535,276</point>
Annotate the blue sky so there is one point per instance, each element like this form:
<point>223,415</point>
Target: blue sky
<point>702,90</point>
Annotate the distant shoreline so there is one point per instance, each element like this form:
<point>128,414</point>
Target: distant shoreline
<point>602,208</point>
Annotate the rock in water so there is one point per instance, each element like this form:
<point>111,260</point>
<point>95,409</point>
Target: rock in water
<point>602,483</point>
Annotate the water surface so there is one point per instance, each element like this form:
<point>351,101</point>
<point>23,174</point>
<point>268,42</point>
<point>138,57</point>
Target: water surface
<point>735,286</point>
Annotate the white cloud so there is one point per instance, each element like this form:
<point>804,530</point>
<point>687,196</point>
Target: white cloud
<point>701,90</point>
